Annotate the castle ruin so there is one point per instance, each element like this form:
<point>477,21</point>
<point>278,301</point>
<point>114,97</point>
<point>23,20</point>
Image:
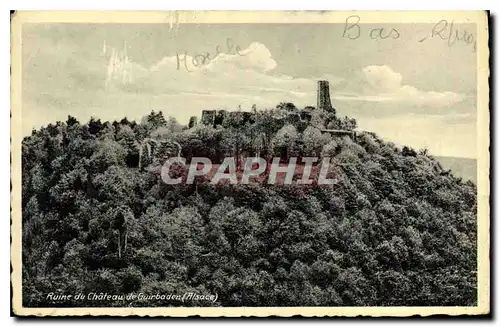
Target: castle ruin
<point>217,117</point>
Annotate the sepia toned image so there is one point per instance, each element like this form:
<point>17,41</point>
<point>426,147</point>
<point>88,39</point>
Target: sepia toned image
<point>233,164</point>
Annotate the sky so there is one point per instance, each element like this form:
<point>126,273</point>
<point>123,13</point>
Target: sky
<point>417,89</point>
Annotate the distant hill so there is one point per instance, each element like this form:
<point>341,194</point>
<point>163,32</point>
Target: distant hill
<point>462,167</point>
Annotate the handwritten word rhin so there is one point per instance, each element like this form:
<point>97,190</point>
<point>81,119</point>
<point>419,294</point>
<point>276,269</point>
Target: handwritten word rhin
<point>452,35</point>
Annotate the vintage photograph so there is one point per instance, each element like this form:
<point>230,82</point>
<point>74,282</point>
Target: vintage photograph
<point>250,163</point>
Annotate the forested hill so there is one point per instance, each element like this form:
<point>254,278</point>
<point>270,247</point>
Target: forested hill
<point>397,229</point>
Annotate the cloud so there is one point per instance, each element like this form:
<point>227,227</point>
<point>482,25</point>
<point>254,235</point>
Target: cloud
<point>255,58</point>
<point>381,83</point>
<point>382,78</point>
<point>248,74</point>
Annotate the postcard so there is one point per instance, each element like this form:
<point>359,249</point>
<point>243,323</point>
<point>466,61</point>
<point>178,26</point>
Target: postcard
<point>250,164</point>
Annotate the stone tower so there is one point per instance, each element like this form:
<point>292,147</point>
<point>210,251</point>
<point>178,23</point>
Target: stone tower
<point>324,96</point>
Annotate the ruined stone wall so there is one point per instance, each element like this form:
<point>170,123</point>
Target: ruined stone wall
<point>217,117</point>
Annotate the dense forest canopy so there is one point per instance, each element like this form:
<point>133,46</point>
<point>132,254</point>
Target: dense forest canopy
<point>396,230</point>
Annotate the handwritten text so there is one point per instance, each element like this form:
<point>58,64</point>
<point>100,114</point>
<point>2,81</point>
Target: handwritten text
<point>187,62</point>
<point>353,30</point>
<point>451,34</point>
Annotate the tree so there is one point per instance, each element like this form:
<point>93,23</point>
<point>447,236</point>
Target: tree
<point>313,141</point>
<point>284,142</point>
